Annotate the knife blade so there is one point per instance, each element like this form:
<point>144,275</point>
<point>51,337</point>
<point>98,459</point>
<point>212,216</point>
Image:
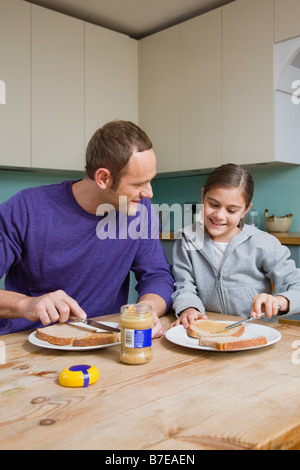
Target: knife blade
<point>233,325</point>
<point>95,324</point>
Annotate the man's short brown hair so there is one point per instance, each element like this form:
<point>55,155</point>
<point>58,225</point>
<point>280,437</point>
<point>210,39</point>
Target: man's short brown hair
<point>111,147</point>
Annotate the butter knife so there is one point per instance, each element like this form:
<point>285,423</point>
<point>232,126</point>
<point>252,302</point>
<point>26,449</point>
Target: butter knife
<point>233,325</point>
<point>95,324</point>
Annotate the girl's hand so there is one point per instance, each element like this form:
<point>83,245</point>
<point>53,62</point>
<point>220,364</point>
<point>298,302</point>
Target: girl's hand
<point>189,316</point>
<point>269,305</point>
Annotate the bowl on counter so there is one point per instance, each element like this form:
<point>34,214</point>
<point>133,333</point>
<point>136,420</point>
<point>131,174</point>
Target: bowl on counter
<point>278,224</point>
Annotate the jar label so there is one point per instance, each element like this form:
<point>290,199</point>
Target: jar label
<point>138,338</point>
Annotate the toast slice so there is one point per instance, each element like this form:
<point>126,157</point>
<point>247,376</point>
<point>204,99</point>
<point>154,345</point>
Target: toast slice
<point>230,343</point>
<point>203,328</point>
<point>64,334</point>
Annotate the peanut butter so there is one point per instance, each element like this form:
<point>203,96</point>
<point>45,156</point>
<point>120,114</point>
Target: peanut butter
<point>136,323</point>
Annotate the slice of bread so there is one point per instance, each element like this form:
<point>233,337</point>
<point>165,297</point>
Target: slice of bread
<point>64,334</point>
<point>231,343</point>
<point>209,328</point>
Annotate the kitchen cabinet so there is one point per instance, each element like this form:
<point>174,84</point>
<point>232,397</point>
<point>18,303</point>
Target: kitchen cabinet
<point>260,124</point>
<point>64,78</point>
<point>111,78</point>
<point>286,19</point>
<point>181,93</point>
<point>200,92</point>
<point>208,90</point>
<point>159,96</point>
<point>15,72</point>
<point>248,76</point>
<point>57,90</point>
<point>87,77</point>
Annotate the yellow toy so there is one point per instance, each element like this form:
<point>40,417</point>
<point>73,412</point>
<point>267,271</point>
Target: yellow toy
<point>78,376</point>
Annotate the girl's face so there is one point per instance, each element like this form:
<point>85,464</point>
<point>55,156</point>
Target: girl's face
<point>223,210</point>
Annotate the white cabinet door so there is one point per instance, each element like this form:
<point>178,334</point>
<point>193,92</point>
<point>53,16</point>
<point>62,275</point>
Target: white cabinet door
<point>160,96</point>
<point>57,90</point>
<point>200,92</point>
<point>15,74</point>
<point>286,19</point>
<point>111,78</point>
<point>181,94</point>
<point>248,82</point>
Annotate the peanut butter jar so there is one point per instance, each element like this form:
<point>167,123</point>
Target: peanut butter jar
<point>136,321</point>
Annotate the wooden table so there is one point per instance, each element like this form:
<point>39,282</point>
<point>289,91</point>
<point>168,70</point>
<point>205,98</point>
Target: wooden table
<point>183,399</point>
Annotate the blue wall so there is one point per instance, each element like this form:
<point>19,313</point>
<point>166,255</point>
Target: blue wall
<point>276,189</point>
<point>12,181</point>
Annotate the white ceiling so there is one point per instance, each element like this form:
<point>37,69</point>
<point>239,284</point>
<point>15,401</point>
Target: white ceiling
<point>136,18</point>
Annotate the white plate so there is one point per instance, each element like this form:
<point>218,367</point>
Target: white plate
<point>43,344</point>
<point>178,335</point>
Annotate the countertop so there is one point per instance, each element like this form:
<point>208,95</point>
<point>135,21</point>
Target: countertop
<point>183,399</point>
<point>286,238</point>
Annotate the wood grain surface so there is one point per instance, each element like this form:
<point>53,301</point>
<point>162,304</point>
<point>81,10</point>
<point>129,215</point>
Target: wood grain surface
<point>183,399</point>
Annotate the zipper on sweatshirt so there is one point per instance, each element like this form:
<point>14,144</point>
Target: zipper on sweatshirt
<point>218,276</point>
<point>220,292</point>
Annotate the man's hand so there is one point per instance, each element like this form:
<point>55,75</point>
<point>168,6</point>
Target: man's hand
<point>157,330</point>
<point>49,308</point>
<point>158,309</point>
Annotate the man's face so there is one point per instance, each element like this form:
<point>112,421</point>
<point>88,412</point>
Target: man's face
<point>135,184</point>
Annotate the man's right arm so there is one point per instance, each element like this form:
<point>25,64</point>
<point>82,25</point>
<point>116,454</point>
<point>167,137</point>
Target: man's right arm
<point>48,308</point>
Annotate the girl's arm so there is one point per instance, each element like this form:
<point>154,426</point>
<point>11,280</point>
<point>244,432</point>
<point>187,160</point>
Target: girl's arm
<point>285,277</point>
<point>186,302</point>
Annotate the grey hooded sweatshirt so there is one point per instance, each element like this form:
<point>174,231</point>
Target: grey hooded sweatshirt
<point>254,262</point>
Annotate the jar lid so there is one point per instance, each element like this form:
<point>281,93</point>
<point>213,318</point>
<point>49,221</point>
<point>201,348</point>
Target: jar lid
<point>136,309</point>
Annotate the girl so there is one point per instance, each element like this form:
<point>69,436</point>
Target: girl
<point>231,268</point>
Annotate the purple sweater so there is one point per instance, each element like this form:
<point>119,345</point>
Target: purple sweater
<point>48,242</point>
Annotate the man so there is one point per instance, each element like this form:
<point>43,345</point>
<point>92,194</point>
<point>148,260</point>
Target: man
<point>55,261</point>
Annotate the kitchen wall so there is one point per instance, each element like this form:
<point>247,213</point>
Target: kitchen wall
<point>276,189</point>
<point>12,181</point>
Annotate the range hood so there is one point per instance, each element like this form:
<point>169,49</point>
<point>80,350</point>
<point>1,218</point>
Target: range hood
<point>288,66</point>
